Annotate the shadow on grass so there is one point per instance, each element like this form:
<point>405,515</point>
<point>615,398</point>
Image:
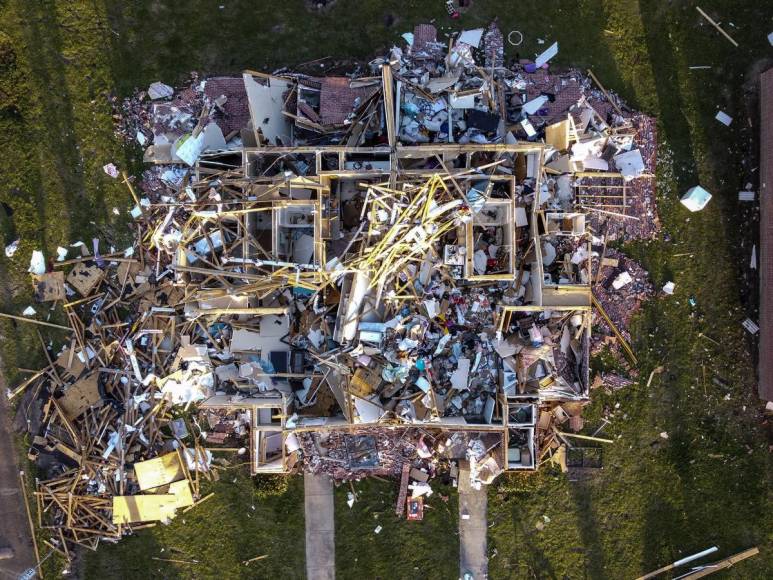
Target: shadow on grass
<point>587,523</point>
<point>132,559</point>
<point>57,139</point>
<point>538,560</point>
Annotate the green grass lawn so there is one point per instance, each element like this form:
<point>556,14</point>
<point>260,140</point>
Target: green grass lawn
<point>402,549</point>
<point>656,499</point>
<point>215,539</point>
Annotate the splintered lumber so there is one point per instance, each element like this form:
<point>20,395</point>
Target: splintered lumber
<point>33,321</point>
<point>723,564</point>
<point>584,437</point>
<point>717,26</point>
<point>23,485</point>
<point>21,388</point>
<point>132,192</point>
<point>623,342</point>
<point>706,569</point>
<point>237,311</point>
<point>201,501</point>
<point>174,560</point>
<point>606,94</point>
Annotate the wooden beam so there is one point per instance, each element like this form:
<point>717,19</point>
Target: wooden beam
<point>33,321</point>
<point>626,347</point>
<point>717,26</point>
<point>22,483</point>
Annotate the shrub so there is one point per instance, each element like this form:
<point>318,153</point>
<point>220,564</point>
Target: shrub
<point>270,485</point>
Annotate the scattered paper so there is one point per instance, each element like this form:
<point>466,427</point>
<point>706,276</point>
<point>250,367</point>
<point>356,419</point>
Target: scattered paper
<point>111,170</point>
<point>724,118</point>
<point>750,326</point>
<point>316,337</point>
<point>11,248</point>
<point>460,376</point>
<point>37,263</point>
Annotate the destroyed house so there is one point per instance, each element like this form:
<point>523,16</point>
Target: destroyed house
<point>391,286</point>
<point>385,273</point>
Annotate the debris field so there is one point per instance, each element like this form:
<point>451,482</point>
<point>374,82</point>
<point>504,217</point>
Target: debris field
<point>385,273</point>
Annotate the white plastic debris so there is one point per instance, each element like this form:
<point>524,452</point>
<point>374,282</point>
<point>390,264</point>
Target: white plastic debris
<point>419,489</point>
<point>630,164</point>
<point>479,261</point>
<point>724,118</point>
<point>770,38</point>
<point>746,195</point>
<point>664,435</point>
<point>29,311</point>
<point>111,170</point>
<point>471,37</point>
<point>350,499</point>
<point>668,288</point>
<point>61,253</point>
<point>316,337</point>
<point>543,58</point>
<point>37,263</point>
<point>750,326</point>
<point>753,264</point>
<point>141,139</point>
<point>534,105</point>
<point>622,279</point>
<point>200,461</point>
<point>378,529</point>
<point>11,248</point>
<point>529,128</point>
<point>696,198</point>
<point>189,148</point>
<point>159,90</point>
